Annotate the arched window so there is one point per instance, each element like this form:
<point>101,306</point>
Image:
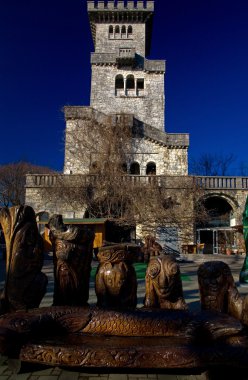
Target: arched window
<point>111,31</point>
<point>135,168</point>
<point>151,168</point>
<point>117,29</point>
<point>129,31</point>
<point>123,31</point>
<point>119,84</point>
<point>130,82</point>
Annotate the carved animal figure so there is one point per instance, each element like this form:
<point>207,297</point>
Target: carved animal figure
<point>25,284</point>
<point>72,256</point>
<point>71,322</point>
<point>116,283</point>
<point>218,291</point>
<point>151,248</point>
<point>163,284</point>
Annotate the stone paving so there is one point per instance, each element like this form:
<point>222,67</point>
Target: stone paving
<point>11,370</point>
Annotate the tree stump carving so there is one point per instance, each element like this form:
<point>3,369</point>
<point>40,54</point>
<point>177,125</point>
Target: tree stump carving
<point>25,284</point>
<point>163,284</point>
<point>116,283</point>
<point>72,256</point>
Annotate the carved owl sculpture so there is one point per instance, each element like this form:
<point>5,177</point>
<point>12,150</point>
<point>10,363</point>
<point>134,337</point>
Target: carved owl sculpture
<point>116,284</point>
<point>164,284</point>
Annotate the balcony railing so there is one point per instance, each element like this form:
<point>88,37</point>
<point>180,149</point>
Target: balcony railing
<point>228,183</point>
<point>208,183</point>
<point>125,56</point>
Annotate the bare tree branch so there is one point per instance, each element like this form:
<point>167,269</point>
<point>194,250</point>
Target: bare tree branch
<point>12,181</point>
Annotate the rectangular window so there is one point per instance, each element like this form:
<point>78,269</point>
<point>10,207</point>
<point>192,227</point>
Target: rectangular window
<point>140,84</point>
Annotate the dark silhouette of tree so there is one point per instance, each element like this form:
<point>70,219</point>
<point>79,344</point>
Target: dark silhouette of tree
<point>212,164</point>
<point>12,181</point>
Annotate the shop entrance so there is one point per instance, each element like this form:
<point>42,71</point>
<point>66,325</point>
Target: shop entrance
<point>215,240</point>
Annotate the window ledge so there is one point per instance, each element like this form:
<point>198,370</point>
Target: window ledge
<point>130,96</point>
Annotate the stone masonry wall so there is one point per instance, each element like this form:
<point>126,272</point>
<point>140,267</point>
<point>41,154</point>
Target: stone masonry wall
<point>106,44</point>
<point>149,107</point>
<point>169,161</point>
<point>76,161</point>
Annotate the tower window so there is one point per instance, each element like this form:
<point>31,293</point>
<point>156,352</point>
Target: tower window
<point>130,82</point>
<point>111,31</point>
<point>119,84</point>
<point>151,168</point>
<point>140,84</point>
<point>135,168</point>
<point>123,31</point>
<point>129,31</point>
<point>117,29</point>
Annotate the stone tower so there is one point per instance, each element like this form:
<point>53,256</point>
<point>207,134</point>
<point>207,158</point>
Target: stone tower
<point>125,82</point>
<point>123,79</point>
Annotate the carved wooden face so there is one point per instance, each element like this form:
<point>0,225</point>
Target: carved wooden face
<point>115,276</point>
<point>214,279</point>
<point>164,274</point>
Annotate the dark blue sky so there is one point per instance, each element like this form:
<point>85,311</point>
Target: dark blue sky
<point>45,50</point>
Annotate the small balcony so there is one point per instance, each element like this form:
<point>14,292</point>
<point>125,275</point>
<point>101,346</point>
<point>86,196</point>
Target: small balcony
<point>125,56</point>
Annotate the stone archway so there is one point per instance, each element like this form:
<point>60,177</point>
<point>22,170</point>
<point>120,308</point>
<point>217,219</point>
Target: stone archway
<point>215,234</point>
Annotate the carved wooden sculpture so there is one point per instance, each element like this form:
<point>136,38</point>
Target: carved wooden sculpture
<point>243,276</point>
<point>218,291</point>
<point>92,337</point>
<point>151,248</point>
<point>116,283</point>
<point>163,284</point>
<point>25,284</point>
<point>72,255</point>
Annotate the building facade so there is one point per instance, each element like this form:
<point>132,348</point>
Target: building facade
<point>126,84</point>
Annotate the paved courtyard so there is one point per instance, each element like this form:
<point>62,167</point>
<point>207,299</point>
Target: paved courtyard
<point>189,268</point>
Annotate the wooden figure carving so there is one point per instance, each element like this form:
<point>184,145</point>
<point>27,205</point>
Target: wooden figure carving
<point>163,284</point>
<point>25,284</point>
<point>72,256</point>
<point>151,248</point>
<point>218,291</point>
<point>116,283</point>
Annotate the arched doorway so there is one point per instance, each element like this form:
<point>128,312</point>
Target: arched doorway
<point>215,234</point>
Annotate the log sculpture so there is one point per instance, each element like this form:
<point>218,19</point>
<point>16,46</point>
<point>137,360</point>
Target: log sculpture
<point>72,256</point>
<point>151,248</point>
<point>25,284</point>
<point>218,291</point>
<point>116,283</point>
<point>163,284</point>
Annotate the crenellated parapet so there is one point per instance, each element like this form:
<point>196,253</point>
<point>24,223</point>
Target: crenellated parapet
<point>113,12</point>
<point>120,5</point>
